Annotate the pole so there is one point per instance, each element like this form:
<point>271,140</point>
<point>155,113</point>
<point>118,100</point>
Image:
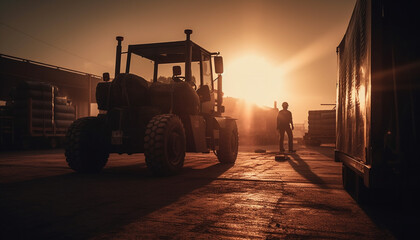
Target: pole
<point>188,57</point>
<point>118,56</point>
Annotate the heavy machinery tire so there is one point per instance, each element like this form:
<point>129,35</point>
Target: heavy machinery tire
<point>345,177</point>
<point>38,104</point>
<point>60,100</point>
<point>34,94</point>
<point>229,142</point>
<point>63,123</point>
<point>86,145</point>
<point>164,144</point>
<point>354,185</point>
<point>64,116</point>
<point>361,193</point>
<point>42,122</point>
<point>64,109</point>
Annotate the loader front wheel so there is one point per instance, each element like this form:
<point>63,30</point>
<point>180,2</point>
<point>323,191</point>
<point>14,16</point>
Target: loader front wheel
<point>86,145</point>
<point>228,143</point>
<point>165,144</point>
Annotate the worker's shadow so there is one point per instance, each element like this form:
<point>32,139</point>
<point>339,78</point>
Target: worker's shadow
<point>301,167</point>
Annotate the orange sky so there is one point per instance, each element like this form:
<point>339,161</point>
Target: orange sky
<point>278,50</point>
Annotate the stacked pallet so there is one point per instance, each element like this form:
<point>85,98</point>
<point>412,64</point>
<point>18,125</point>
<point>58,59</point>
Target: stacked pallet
<point>321,127</point>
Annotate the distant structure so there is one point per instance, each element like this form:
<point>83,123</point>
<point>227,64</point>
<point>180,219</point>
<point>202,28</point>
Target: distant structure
<point>256,124</point>
<point>77,86</point>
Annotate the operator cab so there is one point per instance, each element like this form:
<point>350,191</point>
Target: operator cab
<point>172,56</point>
<point>189,63</point>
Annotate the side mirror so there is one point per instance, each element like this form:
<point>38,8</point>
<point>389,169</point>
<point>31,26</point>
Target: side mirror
<point>176,70</point>
<point>105,76</point>
<point>218,64</point>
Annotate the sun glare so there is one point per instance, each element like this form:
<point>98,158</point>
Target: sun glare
<point>254,79</point>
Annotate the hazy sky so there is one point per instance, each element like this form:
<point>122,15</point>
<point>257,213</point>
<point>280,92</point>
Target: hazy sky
<point>281,50</point>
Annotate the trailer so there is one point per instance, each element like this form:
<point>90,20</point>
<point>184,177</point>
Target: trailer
<point>378,100</point>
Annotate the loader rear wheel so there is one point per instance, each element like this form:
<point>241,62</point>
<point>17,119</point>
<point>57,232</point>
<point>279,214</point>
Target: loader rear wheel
<point>165,144</point>
<point>86,145</point>
<point>229,142</point>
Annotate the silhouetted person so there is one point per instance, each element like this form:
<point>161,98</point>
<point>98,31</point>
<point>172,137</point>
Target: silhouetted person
<point>284,120</point>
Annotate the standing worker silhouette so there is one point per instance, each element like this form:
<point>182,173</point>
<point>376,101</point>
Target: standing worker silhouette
<point>284,120</point>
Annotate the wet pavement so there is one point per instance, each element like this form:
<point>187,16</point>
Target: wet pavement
<point>257,198</point>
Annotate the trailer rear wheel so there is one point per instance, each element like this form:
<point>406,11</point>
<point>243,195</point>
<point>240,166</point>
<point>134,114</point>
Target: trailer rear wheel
<point>165,144</point>
<point>361,194</point>
<point>229,142</point>
<point>348,176</point>
<point>86,145</point>
<point>353,184</point>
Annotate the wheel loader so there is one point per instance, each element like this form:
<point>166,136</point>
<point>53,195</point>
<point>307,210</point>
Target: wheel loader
<point>162,119</point>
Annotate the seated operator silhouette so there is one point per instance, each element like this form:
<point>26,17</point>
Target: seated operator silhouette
<point>284,120</point>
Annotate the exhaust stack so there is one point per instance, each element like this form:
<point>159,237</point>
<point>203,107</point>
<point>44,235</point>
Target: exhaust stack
<point>188,59</point>
<point>118,56</point>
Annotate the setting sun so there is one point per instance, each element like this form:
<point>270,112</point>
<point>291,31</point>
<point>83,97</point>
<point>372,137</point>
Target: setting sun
<point>255,79</point>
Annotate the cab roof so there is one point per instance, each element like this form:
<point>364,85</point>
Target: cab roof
<point>167,52</point>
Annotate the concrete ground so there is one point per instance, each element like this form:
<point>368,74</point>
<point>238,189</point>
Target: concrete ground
<point>257,198</point>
